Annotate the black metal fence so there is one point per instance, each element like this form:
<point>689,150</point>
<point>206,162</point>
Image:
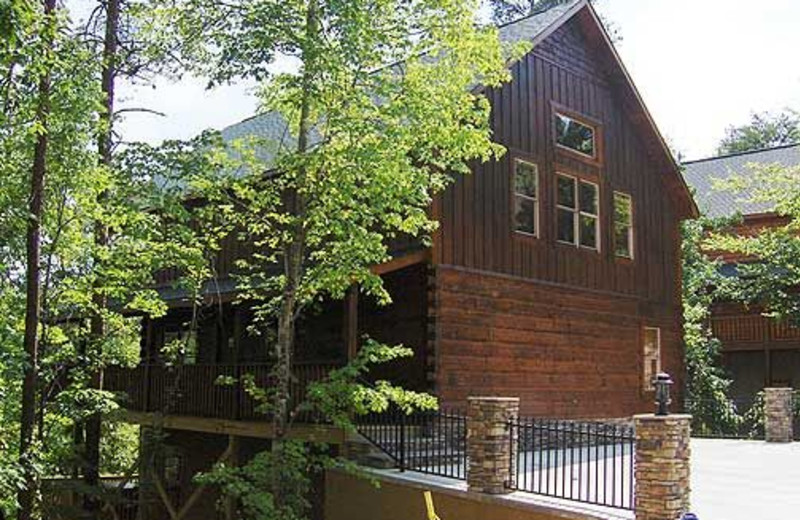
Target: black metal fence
<point>433,442</point>
<point>581,461</point>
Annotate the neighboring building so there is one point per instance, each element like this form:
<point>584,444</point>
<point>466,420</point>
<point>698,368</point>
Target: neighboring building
<point>757,351</point>
<point>555,275</point>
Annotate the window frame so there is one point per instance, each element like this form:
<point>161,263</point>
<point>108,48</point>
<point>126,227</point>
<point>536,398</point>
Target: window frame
<point>597,158</point>
<point>577,213</point>
<point>647,384</point>
<point>631,226</point>
<point>536,200</point>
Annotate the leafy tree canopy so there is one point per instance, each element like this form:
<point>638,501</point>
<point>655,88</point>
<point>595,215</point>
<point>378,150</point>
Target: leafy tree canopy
<point>765,130</point>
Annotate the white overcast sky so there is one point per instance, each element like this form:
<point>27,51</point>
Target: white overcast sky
<point>700,66</point>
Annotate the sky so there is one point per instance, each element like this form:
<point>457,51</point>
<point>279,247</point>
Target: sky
<point>700,65</point>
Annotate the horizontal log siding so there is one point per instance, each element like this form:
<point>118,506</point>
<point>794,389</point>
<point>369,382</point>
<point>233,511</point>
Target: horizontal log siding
<point>565,353</point>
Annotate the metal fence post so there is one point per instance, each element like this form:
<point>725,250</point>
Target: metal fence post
<point>402,441</point>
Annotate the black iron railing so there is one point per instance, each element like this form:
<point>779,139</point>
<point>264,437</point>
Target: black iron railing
<point>582,461</point>
<point>432,442</point>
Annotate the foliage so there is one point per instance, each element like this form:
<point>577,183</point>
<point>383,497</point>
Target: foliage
<point>771,274</point>
<point>251,486</point>
<point>147,235</point>
<point>506,11</point>
<point>706,383</point>
<point>343,394</point>
<point>765,130</point>
<point>379,113</point>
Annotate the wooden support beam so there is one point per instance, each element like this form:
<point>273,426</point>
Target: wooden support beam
<point>256,429</point>
<point>350,331</point>
<point>173,514</point>
<point>395,264</point>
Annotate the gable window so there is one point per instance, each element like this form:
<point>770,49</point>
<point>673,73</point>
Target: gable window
<point>526,197</point>
<point>577,212</point>
<point>575,135</point>
<point>623,225</point>
<point>652,356</point>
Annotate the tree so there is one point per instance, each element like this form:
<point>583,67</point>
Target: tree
<point>771,276</point>
<point>506,11</point>
<point>706,382</point>
<point>380,112</point>
<point>765,130</point>
<point>33,268</point>
<point>83,189</point>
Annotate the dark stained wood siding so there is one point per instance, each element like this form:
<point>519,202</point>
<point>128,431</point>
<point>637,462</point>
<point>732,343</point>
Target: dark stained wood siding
<point>476,210</point>
<point>559,327</point>
<point>563,353</point>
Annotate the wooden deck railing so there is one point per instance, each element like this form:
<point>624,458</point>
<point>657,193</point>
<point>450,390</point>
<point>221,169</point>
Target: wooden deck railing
<point>194,390</point>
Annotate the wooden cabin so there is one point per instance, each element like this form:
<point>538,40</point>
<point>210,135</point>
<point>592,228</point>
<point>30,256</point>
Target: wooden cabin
<point>757,351</point>
<point>555,275</point>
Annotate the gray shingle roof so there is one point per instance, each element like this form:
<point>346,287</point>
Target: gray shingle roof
<point>701,176</point>
<point>272,127</point>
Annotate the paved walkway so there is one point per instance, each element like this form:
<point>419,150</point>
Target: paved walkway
<point>745,480</point>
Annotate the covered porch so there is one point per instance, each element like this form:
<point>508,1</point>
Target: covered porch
<point>220,349</point>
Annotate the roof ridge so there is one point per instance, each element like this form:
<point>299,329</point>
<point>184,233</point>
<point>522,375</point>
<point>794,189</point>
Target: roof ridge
<point>739,154</point>
<point>537,12</point>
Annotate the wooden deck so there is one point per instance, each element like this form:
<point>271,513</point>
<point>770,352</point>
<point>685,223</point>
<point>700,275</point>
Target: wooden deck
<point>200,391</point>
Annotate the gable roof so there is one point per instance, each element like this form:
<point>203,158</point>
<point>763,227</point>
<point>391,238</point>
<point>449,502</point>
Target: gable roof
<point>272,127</point>
<point>702,174</point>
<point>534,28</point>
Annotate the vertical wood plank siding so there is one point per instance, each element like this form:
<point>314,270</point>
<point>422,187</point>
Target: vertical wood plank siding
<point>477,210</point>
<point>522,316</point>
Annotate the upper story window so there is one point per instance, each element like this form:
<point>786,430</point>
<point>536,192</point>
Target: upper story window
<point>576,135</point>
<point>651,355</point>
<point>577,212</point>
<point>623,225</point>
<point>526,197</point>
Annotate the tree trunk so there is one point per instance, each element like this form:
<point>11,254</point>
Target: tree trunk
<point>97,332</point>
<point>27,492</point>
<point>293,252</point>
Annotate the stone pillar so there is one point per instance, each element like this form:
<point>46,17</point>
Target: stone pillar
<point>661,466</point>
<point>778,415</point>
<point>489,446</point>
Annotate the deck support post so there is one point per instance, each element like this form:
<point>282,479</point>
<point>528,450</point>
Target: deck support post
<point>778,416</point>
<point>490,447</point>
<point>661,466</point>
<point>350,329</point>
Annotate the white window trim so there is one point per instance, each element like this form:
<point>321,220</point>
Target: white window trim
<point>592,156</point>
<point>577,213</point>
<point>536,219</point>
<point>648,385</point>
<point>631,243</point>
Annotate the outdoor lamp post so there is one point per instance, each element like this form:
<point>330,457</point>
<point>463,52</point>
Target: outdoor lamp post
<point>662,382</point>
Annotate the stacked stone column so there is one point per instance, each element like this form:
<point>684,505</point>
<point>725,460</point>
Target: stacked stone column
<point>661,466</point>
<point>778,414</point>
<point>490,450</point>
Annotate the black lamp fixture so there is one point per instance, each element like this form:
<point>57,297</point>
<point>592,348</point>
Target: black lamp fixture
<point>662,382</point>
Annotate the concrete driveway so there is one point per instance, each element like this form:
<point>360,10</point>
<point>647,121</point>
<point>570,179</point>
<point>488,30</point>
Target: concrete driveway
<point>745,480</point>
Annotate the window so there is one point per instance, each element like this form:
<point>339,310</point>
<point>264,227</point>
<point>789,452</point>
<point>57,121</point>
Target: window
<point>576,136</point>
<point>577,212</point>
<point>623,225</point>
<point>652,356</point>
<point>526,197</point>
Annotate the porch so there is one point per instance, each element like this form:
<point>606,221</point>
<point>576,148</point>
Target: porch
<point>219,346</point>
<point>214,391</point>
